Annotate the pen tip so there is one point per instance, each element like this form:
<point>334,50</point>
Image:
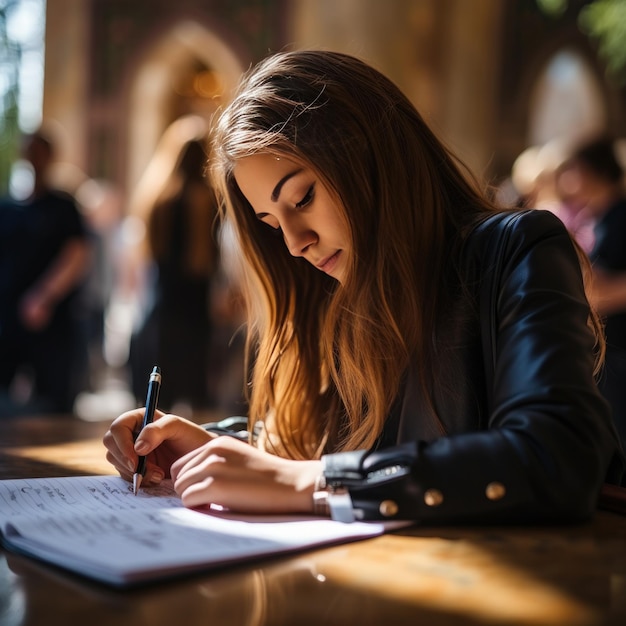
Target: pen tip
<point>136,483</point>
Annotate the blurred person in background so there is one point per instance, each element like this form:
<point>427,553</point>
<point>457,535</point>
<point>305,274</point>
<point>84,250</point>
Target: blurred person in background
<point>174,265</point>
<point>45,256</point>
<point>593,179</point>
<point>535,178</point>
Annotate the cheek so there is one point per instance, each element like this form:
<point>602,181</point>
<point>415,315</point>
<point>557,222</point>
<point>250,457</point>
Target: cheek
<point>334,218</point>
<point>342,230</point>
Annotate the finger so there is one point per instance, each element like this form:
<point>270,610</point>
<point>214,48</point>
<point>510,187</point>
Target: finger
<point>199,493</point>
<point>121,464</point>
<point>153,476</point>
<point>219,446</point>
<point>202,478</point>
<point>119,439</point>
<point>188,461</point>
<point>184,435</point>
<point>122,431</point>
<point>154,434</point>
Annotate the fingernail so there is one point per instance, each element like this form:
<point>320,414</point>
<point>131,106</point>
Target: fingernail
<point>156,477</point>
<point>131,465</point>
<point>141,447</point>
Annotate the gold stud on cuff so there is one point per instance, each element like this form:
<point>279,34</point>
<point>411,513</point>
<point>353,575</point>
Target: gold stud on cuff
<point>388,508</point>
<point>495,491</point>
<point>433,497</point>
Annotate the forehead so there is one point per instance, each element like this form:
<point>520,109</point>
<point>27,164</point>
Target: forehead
<point>260,173</point>
<point>263,162</point>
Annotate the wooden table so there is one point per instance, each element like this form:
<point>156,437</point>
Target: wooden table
<point>423,576</point>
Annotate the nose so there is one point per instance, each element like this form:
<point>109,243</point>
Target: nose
<point>298,237</point>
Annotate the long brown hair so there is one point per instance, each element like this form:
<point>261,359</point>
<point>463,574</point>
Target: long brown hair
<point>328,358</point>
<point>177,173</point>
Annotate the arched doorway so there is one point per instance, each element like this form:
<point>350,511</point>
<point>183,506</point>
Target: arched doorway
<point>566,102</point>
<point>188,70</point>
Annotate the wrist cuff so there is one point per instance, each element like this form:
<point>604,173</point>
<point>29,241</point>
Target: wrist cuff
<point>332,501</point>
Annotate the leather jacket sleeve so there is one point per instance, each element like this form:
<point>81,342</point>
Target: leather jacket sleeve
<point>548,443</point>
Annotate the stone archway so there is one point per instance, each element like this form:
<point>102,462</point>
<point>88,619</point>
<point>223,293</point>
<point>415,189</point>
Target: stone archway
<point>566,102</point>
<point>188,70</point>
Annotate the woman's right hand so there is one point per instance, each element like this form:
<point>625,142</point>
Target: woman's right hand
<point>163,441</point>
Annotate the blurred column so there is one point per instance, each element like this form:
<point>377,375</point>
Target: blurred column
<point>444,54</point>
<point>472,58</point>
<point>66,74</point>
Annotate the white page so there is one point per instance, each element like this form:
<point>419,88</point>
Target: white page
<point>96,526</point>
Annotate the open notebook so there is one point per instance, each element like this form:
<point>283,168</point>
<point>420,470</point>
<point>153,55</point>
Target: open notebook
<point>95,526</point>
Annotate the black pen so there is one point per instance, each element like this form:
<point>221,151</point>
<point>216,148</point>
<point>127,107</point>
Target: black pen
<point>154,386</point>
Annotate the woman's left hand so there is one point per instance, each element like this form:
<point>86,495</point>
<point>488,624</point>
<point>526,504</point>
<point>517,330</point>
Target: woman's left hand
<point>242,478</point>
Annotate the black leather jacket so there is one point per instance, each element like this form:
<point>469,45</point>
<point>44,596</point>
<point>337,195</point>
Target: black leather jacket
<point>524,433</point>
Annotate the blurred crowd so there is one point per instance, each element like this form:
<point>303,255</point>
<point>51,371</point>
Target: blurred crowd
<point>95,291</point>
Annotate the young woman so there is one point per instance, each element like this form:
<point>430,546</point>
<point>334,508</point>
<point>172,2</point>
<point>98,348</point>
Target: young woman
<point>415,353</point>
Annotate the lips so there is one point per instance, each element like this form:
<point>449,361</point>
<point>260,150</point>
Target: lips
<point>327,264</point>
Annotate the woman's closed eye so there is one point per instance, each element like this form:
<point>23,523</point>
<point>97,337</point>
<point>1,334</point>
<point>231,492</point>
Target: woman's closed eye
<point>270,220</point>
<point>308,197</point>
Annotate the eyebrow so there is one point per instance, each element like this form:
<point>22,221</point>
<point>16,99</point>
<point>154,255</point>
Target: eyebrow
<point>281,182</point>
